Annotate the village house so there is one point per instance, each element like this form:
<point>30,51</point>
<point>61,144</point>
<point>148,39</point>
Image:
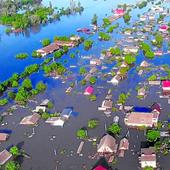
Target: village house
<point>45,103</point>
<point>166,87</point>
<point>163,28</point>
<point>40,109</point>
<point>101,164</point>
<point>93,70</point>
<point>151,17</point>
<point>115,80</point>
<point>31,119</point>
<point>148,28</point>
<point>3,137</point>
<point>143,116</point>
<point>89,90</point>
<point>106,104</point>
<point>130,49</point>
<point>95,62</point>
<point>143,18</point>
<point>155,82</point>
<point>87,77</point>
<point>66,113</point>
<point>119,12</point>
<point>75,38</point>
<point>70,44</point>
<point>148,157</point>
<point>158,53</point>
<point>142,91</point>
<point>123,146</point>
<point>4,156</point>
<point>68,90</point>
<point>48,49</point>
<point>144,64</point>
<point>56,121</point>
<point>107,145</point>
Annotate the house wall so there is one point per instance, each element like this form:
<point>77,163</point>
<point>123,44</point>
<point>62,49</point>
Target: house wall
<point>148,163</point>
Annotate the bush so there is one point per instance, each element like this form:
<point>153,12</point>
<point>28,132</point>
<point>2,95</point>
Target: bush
<point>92,97</point>
<point>22,56</point>
<point>93,123</point>
<point>45,42</point>
<point>41,86</point>
<point>82,134</point>
<point>114,128</point>
<point>153,135</point>
<point>88,44</point>
<point>92,80</point>
<point>3,102</point>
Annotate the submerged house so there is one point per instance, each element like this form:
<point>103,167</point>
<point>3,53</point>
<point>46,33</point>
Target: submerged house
<point>123,146</point>
<point>142,92</point>
<point>89,90</point>
<point>131,49</point>
<point>95,62</point>
<point>163,28</point>
<point>144,64</point>
<point>148,157</point>
<point>115,80</point>
<point>166,87</point>
<point>101,164</point>
<point>66,113</point>
<point>119,12</point>
<point>56,121</point>
<point>48,49</point>
<point>31,119</point>
<point>107,144</point>
<point>4,156</point>
<point>143,116</point>
<point>3,137</point>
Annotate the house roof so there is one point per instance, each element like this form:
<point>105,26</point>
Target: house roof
<point>156,107</point>
<point>100,167</point>
<point>66,112</point>
<point>56,121</point>
<point>119,11</point>
<point>148,154</point>
<point>44,102</point>
<point>3,136</point>
<point>142,109</point>
<point>166,83</point>
<point>4,156</point>
<point>107,141</point>
<point>140,118</point>
<point>89,90</point>
<point>124,144</point>
<point>31,119</point>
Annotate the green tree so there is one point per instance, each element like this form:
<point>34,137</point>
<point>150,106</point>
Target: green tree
<point>82,70</point>
<point>41,86</point>
<point>45,42</point>
<point>92,80</point>
<point>94,19</point>
<point>3,102</point>
<point>15,151</point>
<point>82,134</point>
<point>148,168</point>
<point>129,59</point>
<point>153,135</point>
<point>93,123</point>
<point>12,165</point>
<point>27,84</point>
<point>114,128</point>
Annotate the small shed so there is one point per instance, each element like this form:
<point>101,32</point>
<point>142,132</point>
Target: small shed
<point>4,156</point>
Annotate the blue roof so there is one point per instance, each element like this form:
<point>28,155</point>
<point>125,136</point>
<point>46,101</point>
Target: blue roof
<point>8,131</point>
<point>66,111</point>
<point>142,109</point>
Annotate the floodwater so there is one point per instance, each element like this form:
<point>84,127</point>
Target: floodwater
<point>47,139</point>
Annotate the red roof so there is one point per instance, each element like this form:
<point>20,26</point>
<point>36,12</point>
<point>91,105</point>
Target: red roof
<point>166,83</point>
<point>119,11</point>
<point>100,168</point>
<point>89,90</point>
<point>164,27</point>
